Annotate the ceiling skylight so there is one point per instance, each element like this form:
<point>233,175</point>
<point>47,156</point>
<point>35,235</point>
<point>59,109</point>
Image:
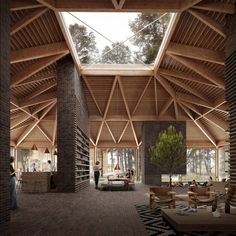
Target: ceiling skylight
<point>117,38</point>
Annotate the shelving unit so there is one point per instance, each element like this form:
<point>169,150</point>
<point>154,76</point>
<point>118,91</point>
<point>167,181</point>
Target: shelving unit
<point>81,160</point>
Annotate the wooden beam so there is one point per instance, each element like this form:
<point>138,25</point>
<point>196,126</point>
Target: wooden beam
<point>69,40</point>
<point>92,94</point>
<point>176,110</point>
<point>36,78</point>
<point>110,132</point>
<point>109,144</point>
<point>107,6</point>
<point>32,53</point>
<point>41,90</point>
<point>167,37</point>
<point>141,96</point>
<point>127,110</point>
<point>38,100</point>
<point>22,125</point>
<point>44,132</point>
<point>209,22</point>
<point>32,126</point>
<point>106,109</point>
<point>227,8</point>
<point>17,5</point>
<point>186,76</point>
<point>27,19</point>
<point>51,4</point>
<point>90,139</point>
<point>166,86</point>
<point>34,68</point>
<point>19,120</point>
<point>122,134</point>
<point>202,54</point>
<point>201,70</point>
<point>193,100</point>
<point>54,132</point>
<point>166,106</point>
<point>186,4</point>
<point>201,126</point>
<point>186,87</point>
<point>116,69</point>
<point>156,103</point>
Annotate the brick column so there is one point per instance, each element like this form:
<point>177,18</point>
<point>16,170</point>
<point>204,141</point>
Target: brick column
<point>230,87</point>
<point>71,112</point>
<point>4,110</point>
<point>151,174</point>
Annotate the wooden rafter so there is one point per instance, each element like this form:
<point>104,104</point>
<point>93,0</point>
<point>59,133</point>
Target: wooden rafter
<point>227,8</point>
<point>155,91</point>
<point>106,109</point>
<point>32,126</point>
<point>118,4</point>
<point>123,131</point>
<point>22,118</point>
<point>176,110</point>
<point>200,69</point>
<point>193,100</point>
<point>92,94</point>
<point>27,20</point>
<point>141,96</point>
<point>185,76</point>
<point>17,5</point>
<point>186,4</point>
<point>127,110</point>
<point>36,78</point>
<point>200,125</point>
<point>170,30</point>
<point>166,86</point>
<point>36,52</point>
<point>41,90</point>
<point>186,87</point>
<point>110,132</point>
<point>166,106</point>
<point>34,68</point>
<point>54,132</point>
<point>196,53</point>
<point>44,132</point>
<point>208,21</point>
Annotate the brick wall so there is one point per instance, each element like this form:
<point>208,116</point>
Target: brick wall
<point>230,87</point>
<point>4,110</point>
<point>151,174</point>
<point>71,111</point>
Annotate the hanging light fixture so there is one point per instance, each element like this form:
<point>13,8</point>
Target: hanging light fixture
<point>46,150</point>
<point>55,153</point>
<point>34,148</point>
<point>117,167</point>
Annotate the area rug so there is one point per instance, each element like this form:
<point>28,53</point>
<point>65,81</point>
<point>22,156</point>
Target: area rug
<point>156,225</point>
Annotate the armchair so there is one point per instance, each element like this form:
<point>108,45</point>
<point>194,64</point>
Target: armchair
<point>161,196</point>
<point>201,196</point>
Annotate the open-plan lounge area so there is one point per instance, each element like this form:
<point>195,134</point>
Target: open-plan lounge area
<point>117,117</point>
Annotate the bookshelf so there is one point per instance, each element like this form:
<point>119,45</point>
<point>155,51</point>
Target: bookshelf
<point>81,160</point>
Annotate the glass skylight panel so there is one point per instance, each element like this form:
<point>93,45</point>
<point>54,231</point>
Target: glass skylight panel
<point>117,38</point>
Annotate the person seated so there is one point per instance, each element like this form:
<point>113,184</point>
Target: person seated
<point>193,184</point>
<point>132,175</point>
<point>128,174</point>
<point>209,183</point>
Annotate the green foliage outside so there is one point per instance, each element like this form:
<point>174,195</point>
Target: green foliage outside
<point>85,43</point>
<point>169,152</point>
<point>118,53</point>
<point>149,39</point>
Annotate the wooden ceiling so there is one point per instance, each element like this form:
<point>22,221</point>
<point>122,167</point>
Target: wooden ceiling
<point>185,84</point>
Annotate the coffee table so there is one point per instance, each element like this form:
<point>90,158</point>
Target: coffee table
<point>200,220</point>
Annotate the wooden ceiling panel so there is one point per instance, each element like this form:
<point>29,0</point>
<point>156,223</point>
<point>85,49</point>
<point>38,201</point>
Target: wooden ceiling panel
<point>94,128</point>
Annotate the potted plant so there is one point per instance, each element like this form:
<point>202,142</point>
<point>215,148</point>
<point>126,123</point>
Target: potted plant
<point>169,152</point>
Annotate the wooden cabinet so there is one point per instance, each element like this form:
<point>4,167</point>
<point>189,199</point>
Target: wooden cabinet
<point>81,160</point>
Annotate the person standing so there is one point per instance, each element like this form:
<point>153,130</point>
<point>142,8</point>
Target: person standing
<point>96,169</point>
<point>12,185</point>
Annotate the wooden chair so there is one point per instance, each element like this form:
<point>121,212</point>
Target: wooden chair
<point>161,196</point>
<point>201,196</point>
